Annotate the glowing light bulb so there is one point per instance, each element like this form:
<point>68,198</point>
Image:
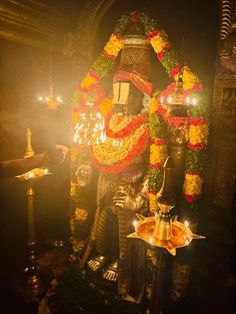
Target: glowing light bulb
<point>162,100</point>
<point>40,98</point>
<point>169,99</point>
<point>135,223</point>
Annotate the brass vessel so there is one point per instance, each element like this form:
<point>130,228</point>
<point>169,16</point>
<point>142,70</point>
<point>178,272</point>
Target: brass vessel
<point>163,230</point>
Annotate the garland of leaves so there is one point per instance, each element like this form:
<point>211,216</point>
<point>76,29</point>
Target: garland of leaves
<point>90,90</point>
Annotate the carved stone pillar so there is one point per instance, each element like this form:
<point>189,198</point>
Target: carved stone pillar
<point>218,217</point>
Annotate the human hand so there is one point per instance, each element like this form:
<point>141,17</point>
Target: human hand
<point>56,154</point>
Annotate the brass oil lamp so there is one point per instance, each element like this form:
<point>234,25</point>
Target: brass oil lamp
<point>162,230</point>
<point>165,233</point>
<point>34,280</point>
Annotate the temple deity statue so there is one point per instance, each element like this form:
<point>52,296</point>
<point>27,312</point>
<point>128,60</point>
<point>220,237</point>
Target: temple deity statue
<point>122,162</point>
<point>118,179</point>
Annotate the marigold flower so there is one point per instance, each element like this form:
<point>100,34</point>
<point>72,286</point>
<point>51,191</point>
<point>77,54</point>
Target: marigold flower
<point>192,184</point>
<point>198,134</point>
<point>159,42</point>
<point>189,78</point>
<point>158,153</point>
<point>114,45</point>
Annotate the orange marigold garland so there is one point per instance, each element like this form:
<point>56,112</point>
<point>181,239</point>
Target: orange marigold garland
<point>119,127</point>
<point>158,153</point>
<point>196,153</point>
<point>121,163</point>
<point>90,90</point>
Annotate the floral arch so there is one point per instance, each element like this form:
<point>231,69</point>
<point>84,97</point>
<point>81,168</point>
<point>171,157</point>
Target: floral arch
<point>90,89</point>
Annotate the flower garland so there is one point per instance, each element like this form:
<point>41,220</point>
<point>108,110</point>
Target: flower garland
<point>89,87</point>
<point>122,126</point>
<point>110,159</point>
<point>196,153</point>
<point>198,123</point>
<point>90,90</point>
<point>198,127</point>
<point>158,153</point>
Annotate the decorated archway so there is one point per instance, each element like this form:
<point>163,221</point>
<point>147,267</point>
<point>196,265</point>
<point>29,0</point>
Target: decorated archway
<point>136,132</point>
<point>91,90</point>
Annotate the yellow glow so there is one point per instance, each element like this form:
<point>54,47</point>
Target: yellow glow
<point>59,99</point>
<point>194,101</point>
<point>186,223</point>
<point>169,100</point>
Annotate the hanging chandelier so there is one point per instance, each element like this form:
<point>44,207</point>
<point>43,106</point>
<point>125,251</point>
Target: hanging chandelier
<point>90,128</point>
<point>50,100</point>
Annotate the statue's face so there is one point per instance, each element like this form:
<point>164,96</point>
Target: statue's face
<point>127,99</point>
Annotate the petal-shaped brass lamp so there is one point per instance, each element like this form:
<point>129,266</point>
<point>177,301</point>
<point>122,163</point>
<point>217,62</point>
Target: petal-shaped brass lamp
<point>162,230</point>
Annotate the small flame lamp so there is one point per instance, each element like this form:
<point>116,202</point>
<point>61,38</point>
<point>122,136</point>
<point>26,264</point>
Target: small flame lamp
<point>176,102</point>
<point>164,232</point>
<point>90,129</point>
<point>50,100</point>
<point>35,279</point>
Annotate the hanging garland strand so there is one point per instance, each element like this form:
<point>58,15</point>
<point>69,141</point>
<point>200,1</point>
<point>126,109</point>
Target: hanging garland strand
<point>90,90</point>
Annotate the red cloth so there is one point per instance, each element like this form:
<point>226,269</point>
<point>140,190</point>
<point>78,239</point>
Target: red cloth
<point>144,86</point>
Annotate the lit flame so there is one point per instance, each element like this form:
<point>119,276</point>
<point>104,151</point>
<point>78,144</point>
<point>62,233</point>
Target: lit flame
<point>90,129</point>
<point>99,116</point>
<point>59,99</point>
<point>186,223</point>
<point>169,99</point>
<point>30,174</point>
<point>194,101</point>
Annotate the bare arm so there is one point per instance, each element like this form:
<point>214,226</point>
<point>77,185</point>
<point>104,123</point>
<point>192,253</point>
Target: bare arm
<point>11,168</point>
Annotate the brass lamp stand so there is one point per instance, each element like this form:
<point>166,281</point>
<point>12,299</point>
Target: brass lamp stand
<point>35,279</point>
<point>164,232</point>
